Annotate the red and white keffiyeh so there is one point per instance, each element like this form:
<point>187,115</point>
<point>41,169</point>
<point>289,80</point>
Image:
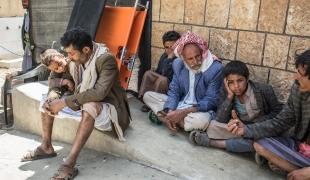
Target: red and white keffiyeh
<point>190,38</point>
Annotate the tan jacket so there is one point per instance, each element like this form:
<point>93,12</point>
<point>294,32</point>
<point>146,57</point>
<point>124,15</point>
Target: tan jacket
<point>107,89</point>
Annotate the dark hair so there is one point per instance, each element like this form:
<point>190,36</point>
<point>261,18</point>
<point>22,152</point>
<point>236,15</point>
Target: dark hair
<point>236,67</point>
<point>170,36</point>
<point>303,59</point>
<point>78,38</point>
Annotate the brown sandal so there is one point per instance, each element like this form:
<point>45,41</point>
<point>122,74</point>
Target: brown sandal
<point>36,154</point>
<point>65,172</point>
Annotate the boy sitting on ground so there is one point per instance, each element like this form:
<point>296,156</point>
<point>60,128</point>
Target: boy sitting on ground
<point>158,80</point>
<point>241,100</point>
<point>285,139</point>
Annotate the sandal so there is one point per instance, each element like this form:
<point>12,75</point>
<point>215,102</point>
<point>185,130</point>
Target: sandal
<point>199,138</point>
<point>65,172</point>
<point>276,169</point>
<point>260,160</point>
<point>153,118</point>
<point>37,154</point>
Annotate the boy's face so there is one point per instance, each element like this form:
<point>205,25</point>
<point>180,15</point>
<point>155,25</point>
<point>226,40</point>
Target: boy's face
<point>237,84</point>
<point>168,47</point>
<point>58,64</point>
<point>302,78</point>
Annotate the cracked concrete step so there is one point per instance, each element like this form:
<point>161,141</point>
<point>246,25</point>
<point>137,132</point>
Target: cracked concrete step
<point>145,143</point>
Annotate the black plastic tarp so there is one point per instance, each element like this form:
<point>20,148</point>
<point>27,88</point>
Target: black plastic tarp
<point>86,14</point>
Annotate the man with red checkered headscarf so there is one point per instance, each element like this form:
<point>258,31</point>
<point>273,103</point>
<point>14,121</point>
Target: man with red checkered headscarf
<point>193,92</point>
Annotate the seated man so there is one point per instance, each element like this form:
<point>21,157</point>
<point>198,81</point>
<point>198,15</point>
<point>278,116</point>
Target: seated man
<point>159,80</point>
<point>193,91</point>
<point>97,93</point>
<point>285,139</point>
<point>242,99</point>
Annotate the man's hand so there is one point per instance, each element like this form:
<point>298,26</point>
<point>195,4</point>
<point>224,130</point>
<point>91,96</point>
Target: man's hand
<point>235,126</point>
<point>170,125</point>
<point>55,106</point>
<point>69,84</point>
<point>299,174</point>
<point>230,94</point>
<point>176,116</point>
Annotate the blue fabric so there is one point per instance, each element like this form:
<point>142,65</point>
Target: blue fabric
<point>207,86</point>
<point>239,145</point>
<point>240,108</point>
<point>286,148</point>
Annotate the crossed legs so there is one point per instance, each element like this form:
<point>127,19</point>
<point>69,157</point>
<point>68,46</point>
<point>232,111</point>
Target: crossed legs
<point>274,159</point>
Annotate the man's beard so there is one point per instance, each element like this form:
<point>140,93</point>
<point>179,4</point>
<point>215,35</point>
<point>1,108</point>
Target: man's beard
<point>83,58</point>
<point>194,71</point>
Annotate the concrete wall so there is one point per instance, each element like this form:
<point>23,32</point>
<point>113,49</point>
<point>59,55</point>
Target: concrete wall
<point>11,20</point>
<point>11,8</point>
<point>263,33</point>
<point>10,41</point>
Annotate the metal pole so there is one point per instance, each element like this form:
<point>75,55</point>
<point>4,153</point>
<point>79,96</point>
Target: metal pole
<point>136,3</point>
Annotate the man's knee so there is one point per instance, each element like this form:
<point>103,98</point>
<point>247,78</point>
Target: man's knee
<point>150,75</point>
<point>197,121</point>
<point>91,109</point>
<point>259,148</point>
<point>46,115</point>
<point>149,97</point>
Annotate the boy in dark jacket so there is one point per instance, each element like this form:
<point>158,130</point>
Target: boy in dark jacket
<point>159,80</point>
<point>249,102</point>
<point>285,139</point>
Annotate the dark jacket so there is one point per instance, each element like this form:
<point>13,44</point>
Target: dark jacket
<point>295,116</point>
<point>265,97</point>
<point>164,67</point>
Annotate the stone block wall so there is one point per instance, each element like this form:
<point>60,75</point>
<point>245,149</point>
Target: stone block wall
<point>11,8</point>
<point>264,34</point>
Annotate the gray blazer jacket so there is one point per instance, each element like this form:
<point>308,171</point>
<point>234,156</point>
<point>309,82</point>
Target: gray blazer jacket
<point>265,98</point>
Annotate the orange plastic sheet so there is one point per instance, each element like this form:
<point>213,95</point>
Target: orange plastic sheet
<point>120,28</point>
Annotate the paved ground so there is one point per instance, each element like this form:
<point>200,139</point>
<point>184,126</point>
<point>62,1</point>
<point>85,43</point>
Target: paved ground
<point>92,165</point>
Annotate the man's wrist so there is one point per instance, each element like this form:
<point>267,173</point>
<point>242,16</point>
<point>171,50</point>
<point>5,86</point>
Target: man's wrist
<point>63,102</point>
<point>62,81</point>
<point>190,110</point>
<point>246,132</point>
